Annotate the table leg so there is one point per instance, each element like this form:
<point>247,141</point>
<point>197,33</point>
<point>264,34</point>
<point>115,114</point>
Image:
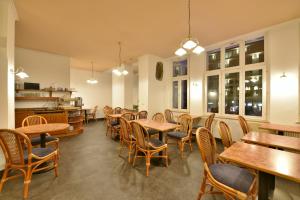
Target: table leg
<point>266,185</point>
<point>85,116</point>
<point>160,137</point>
<point>43,140</point>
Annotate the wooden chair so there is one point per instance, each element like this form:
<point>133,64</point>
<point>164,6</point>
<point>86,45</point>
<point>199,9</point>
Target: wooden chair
<point>92,115</point>
<point>244,125</point>
<point>148,146</point>
<point>142,114</point>
<point>128,116</point>
<point>225,134</point>
<point>169,116</point>
<point>183,134</point>
<point>118,110</point>
<point>26,160</point>
<point>158,117</point>
<point>112,126</point>
<point>128,140</point>
<point>234,182</point>
<point>36,140</point>
<point>208,122</point>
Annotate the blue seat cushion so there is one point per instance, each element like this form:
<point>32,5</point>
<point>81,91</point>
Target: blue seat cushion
<point>37,140</point>
<point>232,176</point>
<point>177,134</point>
<point>152,131</point>
<point>41,152</point>
<point>114,123</point>
<point>156,142</point>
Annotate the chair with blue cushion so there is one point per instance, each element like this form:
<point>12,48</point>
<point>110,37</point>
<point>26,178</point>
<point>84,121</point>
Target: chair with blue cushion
<point>230,180</point>
<point>142,114</point>
<point>183,134</point>
<point>225,134</point>
<point>147,146</point>
<point>127,139</point>
<point>36,141</point>
<point>207,124</point>
<point>244,125</point>
<point>20,156</point>
<point>169,116</point>
<point>158,117</point>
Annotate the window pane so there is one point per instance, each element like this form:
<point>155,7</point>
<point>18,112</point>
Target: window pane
<point>232,56</point>
<point>184,94</point>
<point>254,52</point>
<point>180,68</point>
<point>253,92</point>
<point>175,94</point>
<point>232,93</point>
<point>213,94</point>
<point>213,59</point>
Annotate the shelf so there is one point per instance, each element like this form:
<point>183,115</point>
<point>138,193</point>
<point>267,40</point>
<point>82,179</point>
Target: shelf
<point>31,90</point>
<point>37,98</point>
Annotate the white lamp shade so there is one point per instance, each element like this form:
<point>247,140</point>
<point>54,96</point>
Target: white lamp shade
<point>190,44</point>
<point>22,75</point>
<point>124,72</point>
<point>198,50</point>
<point>180,52</point>
<point>117,72</point>
<point>92,81</point>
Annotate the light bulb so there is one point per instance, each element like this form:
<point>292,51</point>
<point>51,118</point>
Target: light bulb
<point>22,75</point>
<point>190,44</point>
<point>92,81</point>
<point>180,52</point>
<point>125,72</point>
<point>198,50</point>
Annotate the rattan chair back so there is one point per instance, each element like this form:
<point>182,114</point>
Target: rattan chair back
<point>128,116</point>
<point>141,135</point>
<point>33,120</point>
<point>169,115</point>
<point>186,122</point>
<point>118,110</point>
<point>10,142</point>
<point>143,114</point>
<point>207,145</point>
<point>225,134</point>
<point>159,117</point>
<point>125,129</point>
<point>209,121</point>
<point>244,125</point>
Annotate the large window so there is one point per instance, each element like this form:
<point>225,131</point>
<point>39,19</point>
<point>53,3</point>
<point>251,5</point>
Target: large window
<point>180,85</point>
<point>238,73</point>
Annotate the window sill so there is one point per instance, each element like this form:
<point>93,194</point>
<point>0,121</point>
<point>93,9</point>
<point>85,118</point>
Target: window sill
<point>234,117</point>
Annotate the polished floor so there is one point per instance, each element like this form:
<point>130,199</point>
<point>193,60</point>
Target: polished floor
<point>90,168</point>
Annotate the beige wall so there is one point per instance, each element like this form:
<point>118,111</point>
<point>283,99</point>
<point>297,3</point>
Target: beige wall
<point>118,91</point>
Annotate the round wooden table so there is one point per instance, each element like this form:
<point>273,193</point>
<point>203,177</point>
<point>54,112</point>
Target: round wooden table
<point>42,129</point>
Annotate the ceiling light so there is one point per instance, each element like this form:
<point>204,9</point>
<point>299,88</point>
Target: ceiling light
<point>92,80</point>
<point>119,72</point>
<point>22,75</point>
<point>189,44</point>
<point>124,72</point>
<point>283,76</point>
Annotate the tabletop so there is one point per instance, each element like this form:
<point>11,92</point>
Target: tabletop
<point>268,160</point>
<point>43,128</point>
<point>273,140</point>
<point>281,127</point>
<point>160,126</point>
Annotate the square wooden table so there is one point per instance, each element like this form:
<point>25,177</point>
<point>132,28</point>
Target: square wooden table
<point>269,162</point>
<point>280,128</point>
<point>272,140</point>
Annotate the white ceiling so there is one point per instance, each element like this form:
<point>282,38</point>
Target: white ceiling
<point>90,29</point>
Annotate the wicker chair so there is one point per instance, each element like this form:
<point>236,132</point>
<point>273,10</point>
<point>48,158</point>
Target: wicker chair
<point>36,141</point>
<point>142,114</point>
<point>169,116</point>
<point>158,117</point>
<point>128,116</point>
<point>183,134</point>
<point>112,126</point>
<point>244,125</point>
<point>148,146</point>
<point>92,115</point>
<point>27,161</point>
<point>234,182</point>
<point>118,110</point>
<point>128,140</point>
<point>207,124</point>
<point>225,134</point>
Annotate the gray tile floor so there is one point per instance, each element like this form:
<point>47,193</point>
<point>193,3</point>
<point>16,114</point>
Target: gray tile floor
<point>90,168</point>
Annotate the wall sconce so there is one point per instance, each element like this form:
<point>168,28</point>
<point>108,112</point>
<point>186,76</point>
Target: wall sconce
<point>20,73</point>
<point>283,76</point>
<point>196,84</point>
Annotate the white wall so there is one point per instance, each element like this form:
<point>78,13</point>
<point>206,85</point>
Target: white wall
<point>8,17</point>
<point>143,82</point>
<point>98,94</point>
<point>118,91</point>
<point>131,87</point>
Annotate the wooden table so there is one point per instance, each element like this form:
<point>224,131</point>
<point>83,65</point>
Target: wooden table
<point>269,162</point>
<point>42,129</point>
<point>272,140</point>
<point>280,128</point>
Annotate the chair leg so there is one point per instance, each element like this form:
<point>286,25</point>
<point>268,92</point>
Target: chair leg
<point>147,164</point>
<point>181,149</point>
<point>129,152</point>
<point>27,181</point>
<point>202,188</point>
<point>3,179</point>
<point>167,160</point>
<point>191,146</point>
<point>136,151</point>
<point>56,166</point>
<point>121,147</point>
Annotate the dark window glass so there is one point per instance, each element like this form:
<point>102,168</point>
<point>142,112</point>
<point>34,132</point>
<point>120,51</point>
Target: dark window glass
<point>175,94</point>
<point>232,56</point>
<point>254,51</point>
<point>213,94</point>
<point>253,92</point>
<point>213,59</point>
<point>180,68</point>
<point>232,93</point>
<point>184,94</point>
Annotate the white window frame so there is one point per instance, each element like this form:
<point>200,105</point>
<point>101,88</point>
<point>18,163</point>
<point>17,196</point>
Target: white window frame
<point>242,68</point>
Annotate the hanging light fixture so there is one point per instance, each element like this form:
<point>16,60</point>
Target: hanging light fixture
<point>189,44</point>
<point>92,80</point>
<point>122,71</point>
<point>20,73</point>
